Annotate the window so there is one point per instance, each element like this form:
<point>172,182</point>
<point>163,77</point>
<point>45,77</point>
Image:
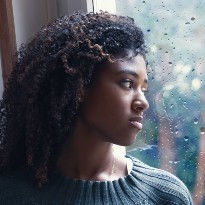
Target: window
<point>173,137</point>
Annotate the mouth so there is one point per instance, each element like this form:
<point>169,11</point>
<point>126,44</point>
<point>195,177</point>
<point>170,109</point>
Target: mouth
<point>136,122</point>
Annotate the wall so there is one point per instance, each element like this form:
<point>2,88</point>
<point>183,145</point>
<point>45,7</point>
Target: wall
<point>31,15</point>
<point>105,5</point>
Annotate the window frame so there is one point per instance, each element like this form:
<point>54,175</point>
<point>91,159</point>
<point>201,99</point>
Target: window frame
<point>7,38</point>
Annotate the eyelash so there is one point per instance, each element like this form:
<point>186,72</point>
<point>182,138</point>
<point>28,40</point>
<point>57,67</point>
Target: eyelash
<point>131,83</point>
<point>127,81</point>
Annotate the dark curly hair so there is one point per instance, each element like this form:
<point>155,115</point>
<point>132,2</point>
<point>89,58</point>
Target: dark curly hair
<point>41,99</point>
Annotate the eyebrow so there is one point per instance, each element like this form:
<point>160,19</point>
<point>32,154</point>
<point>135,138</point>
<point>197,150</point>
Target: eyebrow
<point>131,73</point>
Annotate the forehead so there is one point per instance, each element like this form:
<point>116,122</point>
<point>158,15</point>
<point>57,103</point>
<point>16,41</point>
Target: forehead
<point>135,65</point>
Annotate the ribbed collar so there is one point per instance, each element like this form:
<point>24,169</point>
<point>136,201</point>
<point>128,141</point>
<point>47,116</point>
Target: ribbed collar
<point>77,191</point>
<point>58,173</point>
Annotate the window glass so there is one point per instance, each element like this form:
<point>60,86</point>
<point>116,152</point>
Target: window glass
<point>173,137</point>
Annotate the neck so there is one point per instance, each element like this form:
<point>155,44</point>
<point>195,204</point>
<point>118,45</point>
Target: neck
<point>87,157</point>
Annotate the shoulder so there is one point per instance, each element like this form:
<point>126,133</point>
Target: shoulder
<point>15,187</point>
<point>162,186</point>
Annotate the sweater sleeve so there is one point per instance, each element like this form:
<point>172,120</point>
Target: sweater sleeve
<point>177,189</point>
<point>14,188</point>
<point>162,186</point>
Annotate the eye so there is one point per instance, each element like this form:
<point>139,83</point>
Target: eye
<point>127,83</point>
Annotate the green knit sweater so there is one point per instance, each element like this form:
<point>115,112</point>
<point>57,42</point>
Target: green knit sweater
<point>144,185</point>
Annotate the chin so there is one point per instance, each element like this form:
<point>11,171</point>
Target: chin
<point>127,142</point>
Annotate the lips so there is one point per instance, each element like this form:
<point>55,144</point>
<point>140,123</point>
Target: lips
<point>136,122</point>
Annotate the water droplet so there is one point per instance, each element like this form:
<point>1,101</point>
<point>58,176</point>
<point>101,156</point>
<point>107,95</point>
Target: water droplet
<point>202,130</point>
<point>170,62</point>
<point>170,162</point>
<point>171,106</point>
<point>187,23</point>
<point>143,2</point>
<point>186,138</point>
<point>192,18</point>
<point>165,34</point>
<point>148,30</point>
<point>176,131</point>
<point>196,121</point>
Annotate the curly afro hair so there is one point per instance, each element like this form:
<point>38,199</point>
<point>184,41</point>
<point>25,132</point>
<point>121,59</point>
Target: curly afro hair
<point>41,99</point>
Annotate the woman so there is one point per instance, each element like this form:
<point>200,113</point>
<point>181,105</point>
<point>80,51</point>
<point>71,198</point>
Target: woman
<point>78,88</point>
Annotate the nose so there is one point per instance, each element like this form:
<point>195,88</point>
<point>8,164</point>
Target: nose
<point>140,103</point>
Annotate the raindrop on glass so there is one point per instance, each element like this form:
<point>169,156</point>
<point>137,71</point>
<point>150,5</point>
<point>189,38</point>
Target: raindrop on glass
<point>196,121</point>
<point>186,138</point>
<point>192,18</point>
<point>202,130</point>
<point>176,131</point>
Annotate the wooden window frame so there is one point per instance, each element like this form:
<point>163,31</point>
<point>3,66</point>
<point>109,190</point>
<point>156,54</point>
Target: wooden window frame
<point>7,38</point>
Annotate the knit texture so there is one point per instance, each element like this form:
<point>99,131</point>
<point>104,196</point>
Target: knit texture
<point>144,185</point>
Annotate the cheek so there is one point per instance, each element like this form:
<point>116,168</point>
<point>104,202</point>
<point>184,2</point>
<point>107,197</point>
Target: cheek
<point>108,113</point>
<point>99,107</point>
<point>107,105</point>
<point>112,96</point>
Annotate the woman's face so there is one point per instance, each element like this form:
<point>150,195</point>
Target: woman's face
<point>113,107</point>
